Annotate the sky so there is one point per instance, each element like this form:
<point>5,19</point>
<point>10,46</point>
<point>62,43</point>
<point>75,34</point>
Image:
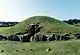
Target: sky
<point>19,10</point>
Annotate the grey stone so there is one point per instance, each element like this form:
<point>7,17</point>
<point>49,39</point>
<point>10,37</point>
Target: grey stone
<point>51,37</point>
<point>40,37</point>
<point>26,38</point>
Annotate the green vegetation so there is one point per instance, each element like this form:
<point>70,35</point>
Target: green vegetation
<point>72,21</point>
<point>39,48</point>
<point>49,25</point>
<point>7,24</point>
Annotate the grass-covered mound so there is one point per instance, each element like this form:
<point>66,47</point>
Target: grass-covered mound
<point>39,48</point>
<point>49,25</point>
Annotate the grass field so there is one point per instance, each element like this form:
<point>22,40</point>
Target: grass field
<point>49,25</point>
<point>39,48</point>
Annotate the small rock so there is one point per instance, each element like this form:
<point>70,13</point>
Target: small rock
<point>48,49</point>
<point>16,50</point>
<point>31,49</point>
<point>24,49</point>
<point>2,50</point>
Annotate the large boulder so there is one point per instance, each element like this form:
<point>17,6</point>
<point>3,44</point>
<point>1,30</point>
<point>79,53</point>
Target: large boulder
<point>16,38</point>
<point>5,38</point>
<point>65,37</point>
<point>26,38</point>
<point>43,37</point>
<point>38,29</point>
<point>51,37</point>
<point>39,37</point>
<point>77,35</point>
<point>10,37</point>
<point>1,37</point>
<point>58,37</point>
<point>23,38</point>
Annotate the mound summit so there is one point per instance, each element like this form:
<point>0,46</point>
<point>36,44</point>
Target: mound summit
<point>49,25</point>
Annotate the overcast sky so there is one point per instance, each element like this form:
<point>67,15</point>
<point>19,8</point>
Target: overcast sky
<point>19,10</point>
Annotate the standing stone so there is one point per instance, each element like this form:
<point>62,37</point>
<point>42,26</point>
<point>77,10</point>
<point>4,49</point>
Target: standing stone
<point>40,37</point>
<point>32,38</point>
<point>58,37</point>
<point>51,37</point>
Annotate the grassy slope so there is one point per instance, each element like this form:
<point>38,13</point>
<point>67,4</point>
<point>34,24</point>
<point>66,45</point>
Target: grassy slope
<point>49,25</point>
<point>39,48</point>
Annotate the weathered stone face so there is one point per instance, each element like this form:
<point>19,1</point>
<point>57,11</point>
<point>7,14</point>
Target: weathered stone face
<point>38,29</point>
<point>58,37</point>
<point>26,38</point>
<point>32,38</point>
<point>31,29</point>
<point>5,37</point>
<point>1,37</point>
<point>10,37</point>
<point>51,37</point>
<point>39,37</point>
<point>77,35</point>
<point>43,38</point>
<point>16,38</point>
<point>34,28</point>
<point>65,37</point>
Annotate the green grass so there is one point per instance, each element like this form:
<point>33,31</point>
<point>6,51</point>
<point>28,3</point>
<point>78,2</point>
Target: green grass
<point>48,24</point>
<point>39,48</point>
